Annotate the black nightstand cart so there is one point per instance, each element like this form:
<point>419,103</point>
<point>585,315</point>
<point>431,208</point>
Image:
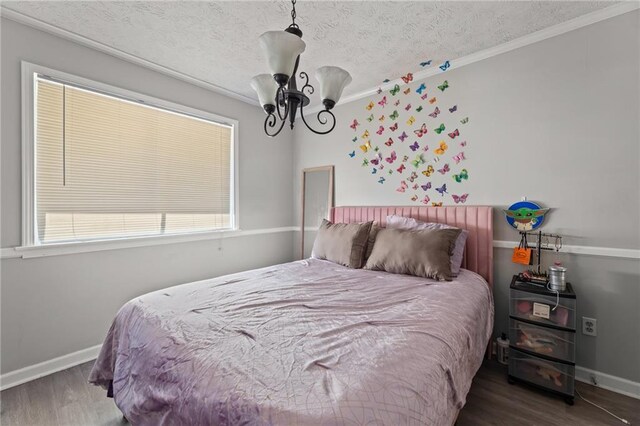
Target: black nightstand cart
<point>542,340</point>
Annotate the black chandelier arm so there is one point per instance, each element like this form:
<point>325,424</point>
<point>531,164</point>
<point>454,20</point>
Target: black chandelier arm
<point>270,123</point>
<point>306,86</point>
<point>280,96</point>
<point>321,120</point>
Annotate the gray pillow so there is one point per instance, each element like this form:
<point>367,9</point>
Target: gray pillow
<point>371,241</point>
<point>401,222</point>
<point>423,253</point>
<point>343,243</point>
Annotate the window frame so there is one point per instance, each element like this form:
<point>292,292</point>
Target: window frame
<point>29,240</point>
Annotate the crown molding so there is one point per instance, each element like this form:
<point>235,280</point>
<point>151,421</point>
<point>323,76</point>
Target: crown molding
<point>543,34</point>
<point>87,42</point>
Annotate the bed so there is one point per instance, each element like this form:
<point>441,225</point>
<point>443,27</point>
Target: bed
<point>307,342</point>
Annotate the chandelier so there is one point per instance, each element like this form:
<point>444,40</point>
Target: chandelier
<point>278,92</point>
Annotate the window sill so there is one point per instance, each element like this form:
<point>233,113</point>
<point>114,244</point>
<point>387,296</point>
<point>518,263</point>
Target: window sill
<point>26,252</point>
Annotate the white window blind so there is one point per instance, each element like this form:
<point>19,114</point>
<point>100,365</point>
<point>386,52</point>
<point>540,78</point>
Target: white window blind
<point>111,168</point>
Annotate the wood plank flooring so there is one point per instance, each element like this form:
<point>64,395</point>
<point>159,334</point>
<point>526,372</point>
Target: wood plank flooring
<point>65,398</point>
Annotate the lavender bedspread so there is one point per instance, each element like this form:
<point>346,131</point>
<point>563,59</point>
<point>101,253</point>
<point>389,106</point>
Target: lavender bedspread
<point>306,343</point>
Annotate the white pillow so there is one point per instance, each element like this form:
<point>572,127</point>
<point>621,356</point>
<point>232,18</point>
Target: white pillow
<point>401,222</point>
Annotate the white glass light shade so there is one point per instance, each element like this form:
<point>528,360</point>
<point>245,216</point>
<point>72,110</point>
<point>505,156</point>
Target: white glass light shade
<point>266,88</point>
<point>332,81</point>
<point>282,49</point>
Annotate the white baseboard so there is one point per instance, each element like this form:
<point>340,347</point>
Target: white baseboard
<point>609,382</point>
<point>32,372</point>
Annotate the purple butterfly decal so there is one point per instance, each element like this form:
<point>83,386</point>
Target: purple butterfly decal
<point>444,170</point>
<point>442,189</point>
<point>453,108</point>
<point>414,146</point>
<point>402,137</point>
<point>435,112</point>
<point>460,198</point>
<point>426,186</point>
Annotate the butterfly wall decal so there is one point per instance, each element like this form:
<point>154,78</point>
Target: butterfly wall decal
<point>365,134</point>
<point>391,158</point>
<point>463,143</point>
<point>424,96</point>
<point>355,139</point>
<point>381,118</point>
<point>382,102</point>
<point>401,168</point>
<point>441,149</point>
<point>352,154</point>
<point>411,120</point>
<point>426,199</point>
<point>439,129</point>
<point>394,91</point>
<point>436,204</point>
<point>460,198</point>
<point>381,180</point>
<point>442,190</point>
<point>406,91</point>
<point>355,124</point>
<point>444,170</point>
<point>435,112</point>
<point>418,161</point>
<point>432,100</point>
<point>375,161</point>
<point>425,148</point>
<point>396,103</point>
<point>464,120</point>
<point>386,80</point>
<point>403,186</point>
<point>390,171</point>
<point>394,127</point>
<point>421,131</point>
<point>394,115</point>
<point>370,118</point>
<point>421,89</point>
<point>426,186</point>
<point>425,63</point>
<point>444,85</point>
<point>429,171</point>
<point>459,157</point>
<point>380,130</point>
<point>453,134</point>
<point>379,90</point>
<point>453,109</point>
<point>419,108</point>
<point>366,147</point>
<point>414,198</point>
<point>403,136</point>
<point>413,177</point>
<point>407,78</point>
<point>374,171</point>
<point>405,158</point>
<point>463,175</point>
<point>389,142</point>
<point>414,146</point>
<point>365,162</point>
<point>408,107</point>
<point>376,149</point>
<point>445,66</point>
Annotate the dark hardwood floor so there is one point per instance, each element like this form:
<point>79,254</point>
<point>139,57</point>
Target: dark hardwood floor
<point>65,398</point>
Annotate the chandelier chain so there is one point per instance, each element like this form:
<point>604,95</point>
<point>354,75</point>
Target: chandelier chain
<point>293,12</point>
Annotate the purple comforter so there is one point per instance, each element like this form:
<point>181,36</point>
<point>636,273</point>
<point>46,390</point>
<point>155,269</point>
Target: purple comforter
<point>307,343</point>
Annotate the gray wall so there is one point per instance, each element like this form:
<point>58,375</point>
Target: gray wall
<point>58,305</point>
<point>556,121</point>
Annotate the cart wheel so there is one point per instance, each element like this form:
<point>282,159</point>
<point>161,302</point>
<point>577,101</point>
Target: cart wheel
<point>568,400</point>
<point>510,380</point>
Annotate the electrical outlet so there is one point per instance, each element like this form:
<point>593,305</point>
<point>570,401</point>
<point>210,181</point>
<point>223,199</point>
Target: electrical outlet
<point>589,326</point>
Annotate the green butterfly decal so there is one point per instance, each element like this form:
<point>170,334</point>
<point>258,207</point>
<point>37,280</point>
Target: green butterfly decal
<point>465,120</point>
<point>463,175</point>
<point>440,129</point>
<point>419,108</point>
<point>390,171</point>
<point>365,162</point>
<point>395,90</point>
<point>370,118</point>
<point>418,161</point>
<point>376,149</point>
<point>444,85</point>
<point>394,115</point>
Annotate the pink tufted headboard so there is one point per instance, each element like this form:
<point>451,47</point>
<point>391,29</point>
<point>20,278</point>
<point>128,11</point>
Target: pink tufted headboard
<point>478,220</point>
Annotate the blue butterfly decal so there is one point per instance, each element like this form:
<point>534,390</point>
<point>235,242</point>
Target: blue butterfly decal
<point>445,66</point>
<point>352,154</point>
<point>421,89</point>
<point>442,189</point>
<point>425,63</point>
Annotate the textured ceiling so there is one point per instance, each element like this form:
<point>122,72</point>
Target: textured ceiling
<point>217,41</point>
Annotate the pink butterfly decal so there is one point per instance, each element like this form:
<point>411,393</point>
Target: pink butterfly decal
<point>403,186</point>
<point>453,134</point>
<point>401,168</point>
<point>459,198</point>
<point>396,103</point>
<point>375,161</point>
<point>463,143</point>
<point>425,148</point>
<point>426,199</point>
<point>380,130</point>
<point>426,186</point>
<point>403,136</point>
<point>413,177</point>
<point>382,102</point>
<point>459,157</point>
<point>408,107</point>
<point>421,131</point>
<point>435,112</point>
<point>389,142</point>
<point>415,186</point>
<point>444,170</point>
<point>394,127</point>
<point>391,158</point>
<point>354,124</point>
<point>425,96</point>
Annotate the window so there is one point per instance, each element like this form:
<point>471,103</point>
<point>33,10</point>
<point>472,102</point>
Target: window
<point>109,167</point>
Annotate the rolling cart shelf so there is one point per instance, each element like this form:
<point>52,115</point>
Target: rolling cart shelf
<point>542,328</point>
